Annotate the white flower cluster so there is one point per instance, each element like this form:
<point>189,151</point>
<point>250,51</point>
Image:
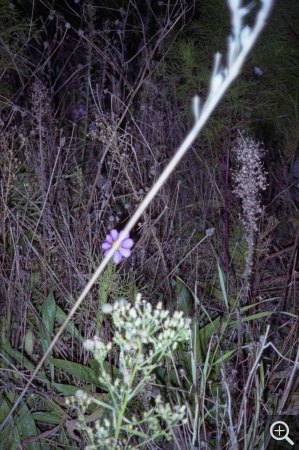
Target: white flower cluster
<point>250,179</point>
<point>143,336</point>
<point>167,413</point>
<point>142,324</point>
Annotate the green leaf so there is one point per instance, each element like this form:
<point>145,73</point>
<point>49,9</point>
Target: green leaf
<point>9,437</point>
<point>96,367</point>
<point>60,317</point>
<point>26,426</point>
<point>201,338</point>
<point>47,417</point>
<point>222,284</point>
<point>245,308</point>
<point>224,357</point>
<point>20,358</point>
<point>183,296</point>
<point>205,371</point>
<point>51,405</point>
<point>79,370</point>
<point>48,310</point>
<point>68,389</point>
<point>212,290</point>
<point>263,314</point>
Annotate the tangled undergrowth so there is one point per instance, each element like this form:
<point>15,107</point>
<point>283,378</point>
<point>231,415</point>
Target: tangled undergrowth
<point>94,101</point>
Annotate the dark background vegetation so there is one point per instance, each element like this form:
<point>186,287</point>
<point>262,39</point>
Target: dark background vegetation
<point>95,98</point>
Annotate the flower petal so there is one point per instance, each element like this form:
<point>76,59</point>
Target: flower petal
<point>123,235</point>
<point>127,243</point>
<point>124,252</point>
<point>106,246</point>
<point>117,257</point>
<point>114,235</point>
<point>109,238</point>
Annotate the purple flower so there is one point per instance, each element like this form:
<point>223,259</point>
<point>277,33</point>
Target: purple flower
<point>80,112</point>
<point>123,249</point>
<point>258,71</point>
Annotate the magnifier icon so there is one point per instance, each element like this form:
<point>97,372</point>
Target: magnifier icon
<point>279,431</point>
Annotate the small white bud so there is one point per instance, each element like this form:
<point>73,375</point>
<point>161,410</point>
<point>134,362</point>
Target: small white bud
<point>107,308</point>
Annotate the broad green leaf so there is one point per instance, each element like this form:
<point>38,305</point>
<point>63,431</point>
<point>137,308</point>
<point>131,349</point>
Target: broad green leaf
<point>79,370</point>
<point>96,367</point>
<point>9,436</point>
<point>182,360</point>
<point>47,417</point>
<point>68,389</point>
<point>201,338</point>
<point>183,296</point>
<point>29,342</point>
<point>20,427</point>
<point>26,426</point>
<point>51,405</point>
<point>212,290</point>
<point>71,328</point>
<point>48,310</point>
<point>21,359</point>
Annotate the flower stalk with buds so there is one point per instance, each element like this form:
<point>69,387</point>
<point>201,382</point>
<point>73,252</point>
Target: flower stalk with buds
<point>250,179</point>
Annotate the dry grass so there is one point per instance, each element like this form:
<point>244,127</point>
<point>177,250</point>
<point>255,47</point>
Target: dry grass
<point>78,153</point>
